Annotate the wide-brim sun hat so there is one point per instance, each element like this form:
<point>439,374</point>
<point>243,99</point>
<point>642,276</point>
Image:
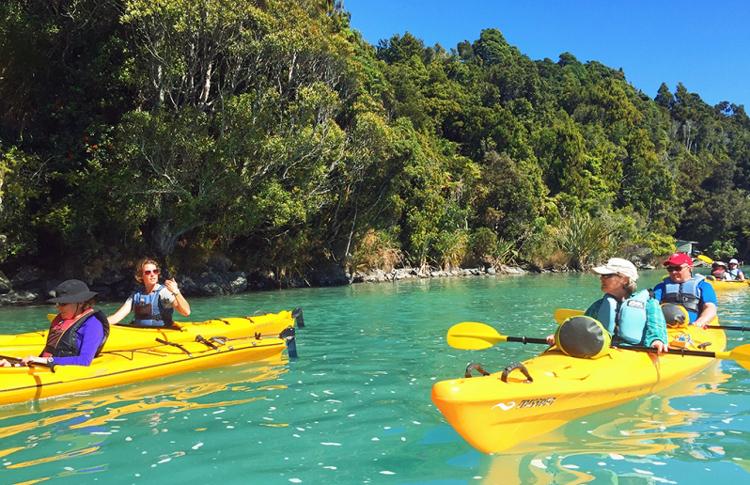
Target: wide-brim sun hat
<point>617,266</point>
<point>71,291</point>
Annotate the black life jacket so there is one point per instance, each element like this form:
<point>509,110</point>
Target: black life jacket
<point>61,338</point>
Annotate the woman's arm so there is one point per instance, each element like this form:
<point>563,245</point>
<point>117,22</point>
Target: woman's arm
<point>655,334</point>
<point>123,312</point>
<point>180,303</point>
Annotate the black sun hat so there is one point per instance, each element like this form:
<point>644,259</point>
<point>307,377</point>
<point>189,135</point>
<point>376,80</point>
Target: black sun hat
<point>71,291</point>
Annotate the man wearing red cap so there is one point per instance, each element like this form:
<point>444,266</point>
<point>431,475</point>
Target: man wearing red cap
<point>692,292</point>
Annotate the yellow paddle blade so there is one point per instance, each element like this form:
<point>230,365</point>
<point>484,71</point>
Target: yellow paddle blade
<point>51,316</point>
<point>562,314</point>
<point>705,259</point>
<point>740,354</point>
<point>473,336</point>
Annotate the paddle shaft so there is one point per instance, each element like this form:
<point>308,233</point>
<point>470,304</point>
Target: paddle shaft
<point>729,327</point>
<point>527,340</point>
<point>695,353</point>
<point>16,362</point>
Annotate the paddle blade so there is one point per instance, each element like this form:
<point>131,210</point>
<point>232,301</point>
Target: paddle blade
<point>562,314</point>
<point>705,259</point>
<point>742,355</point>
<point>473,336</point>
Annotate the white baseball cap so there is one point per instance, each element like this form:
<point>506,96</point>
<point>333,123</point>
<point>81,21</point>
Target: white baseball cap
<point>733,261</point>
<point>617,266</point>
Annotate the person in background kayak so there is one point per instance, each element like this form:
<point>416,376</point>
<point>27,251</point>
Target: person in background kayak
<point>78,332</point>
<point>154,304</point>
<point>691,291</point>
<point>623,311</point>
<point>719,271</point>
<point>734,271</point>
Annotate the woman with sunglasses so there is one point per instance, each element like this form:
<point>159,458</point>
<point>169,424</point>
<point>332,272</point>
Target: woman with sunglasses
<point>690,291</point>
<point>153,304</point>
<point>734,271</point>
<point>630,317</point>
<point>76,334</point>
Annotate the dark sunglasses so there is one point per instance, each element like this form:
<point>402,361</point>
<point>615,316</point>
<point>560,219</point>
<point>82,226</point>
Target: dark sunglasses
<point>675,268</point>
<point>150,271</point>
<point>607,276</point>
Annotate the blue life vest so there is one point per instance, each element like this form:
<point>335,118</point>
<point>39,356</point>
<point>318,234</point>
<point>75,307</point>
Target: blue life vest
<point>626,321</point>
<point>149,311</point>
<point>686,294</point>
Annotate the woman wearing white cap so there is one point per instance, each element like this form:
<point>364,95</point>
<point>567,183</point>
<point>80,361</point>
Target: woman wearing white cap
<point>734,271</point>
<point>623,310</point>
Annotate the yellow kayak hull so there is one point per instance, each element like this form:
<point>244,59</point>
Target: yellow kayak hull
<point>113,368</point>
<point>494,416</point>
<point>721,285</point>
<point>126,338</point>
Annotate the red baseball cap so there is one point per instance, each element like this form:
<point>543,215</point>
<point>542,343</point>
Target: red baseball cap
<point>678,259</point>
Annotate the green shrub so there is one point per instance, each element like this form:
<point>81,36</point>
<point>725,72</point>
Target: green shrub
<point>375,250</point>
<point>722,250</point>
<point>451,248</point>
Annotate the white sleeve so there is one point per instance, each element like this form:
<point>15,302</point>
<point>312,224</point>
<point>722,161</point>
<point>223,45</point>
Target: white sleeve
<point>166,297</point>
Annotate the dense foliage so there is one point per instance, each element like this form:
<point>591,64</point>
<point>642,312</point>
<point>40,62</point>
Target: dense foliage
<point>270,132</point>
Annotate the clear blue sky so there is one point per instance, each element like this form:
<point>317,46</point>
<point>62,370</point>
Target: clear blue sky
<point>703,44</point>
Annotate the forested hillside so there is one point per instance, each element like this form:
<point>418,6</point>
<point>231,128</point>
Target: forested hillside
<point>271,133</point>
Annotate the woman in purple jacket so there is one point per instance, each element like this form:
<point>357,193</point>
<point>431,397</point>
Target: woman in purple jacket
<point>78,332</point>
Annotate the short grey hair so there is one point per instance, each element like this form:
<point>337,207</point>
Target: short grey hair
<point>631,286</point>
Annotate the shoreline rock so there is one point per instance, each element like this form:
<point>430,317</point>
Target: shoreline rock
<point>225,281</point>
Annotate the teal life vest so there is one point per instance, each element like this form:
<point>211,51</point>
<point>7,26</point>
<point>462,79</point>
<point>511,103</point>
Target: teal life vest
<point>149,311</point>
<point>686,294</point>
<point>626,322</point>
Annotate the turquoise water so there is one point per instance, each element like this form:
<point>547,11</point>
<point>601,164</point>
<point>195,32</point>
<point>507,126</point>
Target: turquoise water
<point>355,407</point>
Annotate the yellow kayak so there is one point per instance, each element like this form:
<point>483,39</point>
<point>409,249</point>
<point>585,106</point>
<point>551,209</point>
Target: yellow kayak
<point>126,338</point>
<point>112,368</point>
<point>722,285</point>
<point>493,415</point>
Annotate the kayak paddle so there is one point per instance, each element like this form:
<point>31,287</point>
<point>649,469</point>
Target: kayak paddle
<point>705,259</point>
<point>478,336</point>
<point>562,314</point>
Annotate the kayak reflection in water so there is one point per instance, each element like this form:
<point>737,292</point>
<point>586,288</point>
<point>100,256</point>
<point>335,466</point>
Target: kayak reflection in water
<point>78,332</point>
<point>153,304</point>
<point>630,317</point>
